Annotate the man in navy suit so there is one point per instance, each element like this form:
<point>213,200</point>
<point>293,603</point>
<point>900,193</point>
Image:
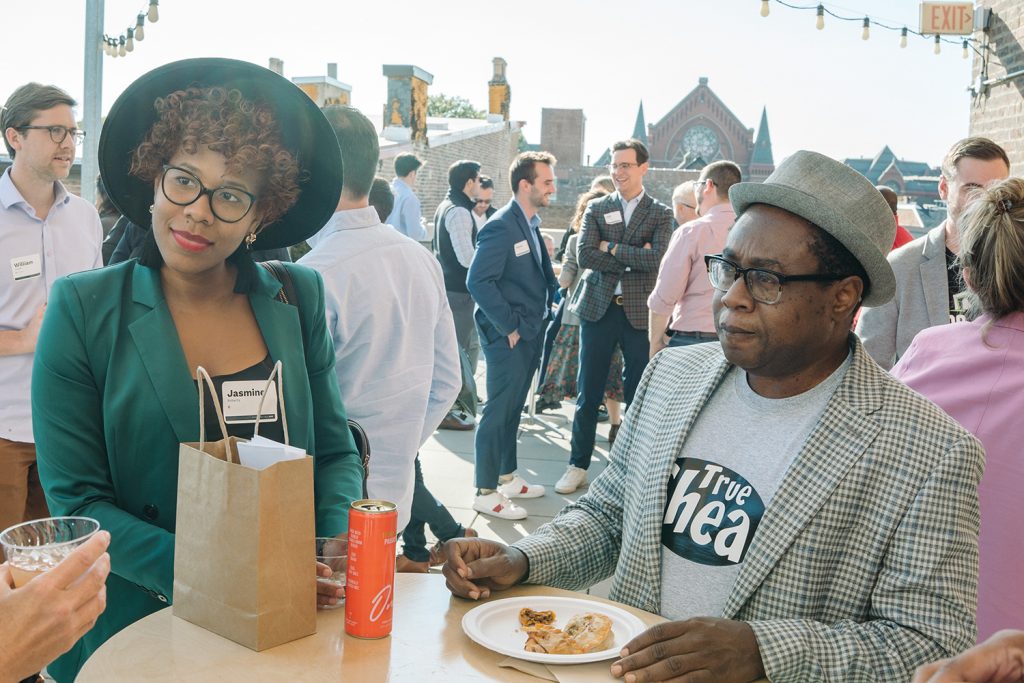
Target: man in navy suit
<point>513,285</point>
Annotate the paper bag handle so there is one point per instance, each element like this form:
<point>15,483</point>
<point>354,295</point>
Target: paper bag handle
<point>279,371</point>
<point>203,376</point>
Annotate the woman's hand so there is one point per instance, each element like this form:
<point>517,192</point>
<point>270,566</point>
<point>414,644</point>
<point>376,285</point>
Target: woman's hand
<point>328,593</point>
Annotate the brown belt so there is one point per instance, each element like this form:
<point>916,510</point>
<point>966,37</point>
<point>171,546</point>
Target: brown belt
<point>695,335</point>
<point>617,299</point>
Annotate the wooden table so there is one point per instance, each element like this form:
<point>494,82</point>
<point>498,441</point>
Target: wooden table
<point>427,644</point>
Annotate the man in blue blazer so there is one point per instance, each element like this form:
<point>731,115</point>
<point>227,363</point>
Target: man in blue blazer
<point>513,285</point>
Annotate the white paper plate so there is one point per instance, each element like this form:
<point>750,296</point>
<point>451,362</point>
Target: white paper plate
<point>495,625</point>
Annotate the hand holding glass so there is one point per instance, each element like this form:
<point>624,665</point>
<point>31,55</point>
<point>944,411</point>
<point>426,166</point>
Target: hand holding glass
<point>34,547</point>
<point>332,563</point>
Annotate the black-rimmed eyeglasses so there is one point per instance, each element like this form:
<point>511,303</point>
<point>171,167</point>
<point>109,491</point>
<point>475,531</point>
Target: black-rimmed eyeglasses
<point>229,204</point>
<point>765,286</point>
<point>58,133</point>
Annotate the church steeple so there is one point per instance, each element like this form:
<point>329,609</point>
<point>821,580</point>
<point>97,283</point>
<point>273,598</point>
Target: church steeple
<point>763,144</point>
<point>640,127</point>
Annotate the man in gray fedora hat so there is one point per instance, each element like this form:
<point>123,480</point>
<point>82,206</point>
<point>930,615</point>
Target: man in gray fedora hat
<point>794,511</point>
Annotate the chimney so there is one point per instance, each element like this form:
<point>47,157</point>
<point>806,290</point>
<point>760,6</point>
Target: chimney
<point>405,113</point>
<point>498,93</point>
<point>277,66</point>
<point>332,70</point>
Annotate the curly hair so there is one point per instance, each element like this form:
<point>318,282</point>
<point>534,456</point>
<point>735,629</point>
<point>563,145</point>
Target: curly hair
<point>245,132</point>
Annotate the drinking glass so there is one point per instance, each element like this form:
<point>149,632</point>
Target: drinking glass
<point>33,547</point>
<point>334,553</point>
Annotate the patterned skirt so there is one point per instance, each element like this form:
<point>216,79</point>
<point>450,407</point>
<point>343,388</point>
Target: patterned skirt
<point>564,364</point>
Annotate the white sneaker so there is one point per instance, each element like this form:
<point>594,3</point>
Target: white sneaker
<point>518,488</point>
<point>498,505</point>
<point>574,478</point>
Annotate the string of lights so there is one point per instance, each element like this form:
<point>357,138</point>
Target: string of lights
<point>125,43</point>
<point>867,23</point>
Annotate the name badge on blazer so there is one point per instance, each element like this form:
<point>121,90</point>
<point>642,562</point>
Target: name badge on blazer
<point>25,267</point>
<point>241,400</point>
<point>522,248</point>
<point>613,217</point>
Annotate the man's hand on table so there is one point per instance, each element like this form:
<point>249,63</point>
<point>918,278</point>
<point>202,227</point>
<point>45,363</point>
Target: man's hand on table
<point>713,649</point>
<point>475,567</point>
<point>1000,659</point>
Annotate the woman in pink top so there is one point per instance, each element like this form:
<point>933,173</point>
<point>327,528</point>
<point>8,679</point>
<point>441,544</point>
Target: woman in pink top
<point>975,372</point>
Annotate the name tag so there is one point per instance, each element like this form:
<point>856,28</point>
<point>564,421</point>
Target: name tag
<point>522,248</point>
<point>241,399</point>
<point>25,267</point>
<point>613,217</point>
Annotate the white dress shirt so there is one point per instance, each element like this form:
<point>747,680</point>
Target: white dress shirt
<point>394,339</point>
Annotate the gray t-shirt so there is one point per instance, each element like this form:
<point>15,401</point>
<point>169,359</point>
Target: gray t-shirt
<point>730,466</point>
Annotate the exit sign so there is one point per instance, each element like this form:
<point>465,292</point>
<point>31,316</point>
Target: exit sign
<point>947,18</point>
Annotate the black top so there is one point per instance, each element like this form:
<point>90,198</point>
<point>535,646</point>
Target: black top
<point>244,430</point>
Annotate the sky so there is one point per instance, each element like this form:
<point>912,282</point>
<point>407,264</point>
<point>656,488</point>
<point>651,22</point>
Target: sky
<point>825,90</point>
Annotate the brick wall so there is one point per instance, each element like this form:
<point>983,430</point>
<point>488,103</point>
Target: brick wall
<point>562,133</point>
<point>998,111</point>
<point>494,151</point>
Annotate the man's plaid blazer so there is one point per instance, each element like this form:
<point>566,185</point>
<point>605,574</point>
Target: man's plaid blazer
<point>637,267</point>
<point>865,564</point>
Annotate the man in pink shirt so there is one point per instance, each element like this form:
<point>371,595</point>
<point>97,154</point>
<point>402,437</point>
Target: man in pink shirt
<point>683,292</point>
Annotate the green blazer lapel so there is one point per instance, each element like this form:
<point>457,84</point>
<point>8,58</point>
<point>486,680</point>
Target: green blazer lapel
<point>842,435</point>
<point>279,324</point>
<point>164,362</point>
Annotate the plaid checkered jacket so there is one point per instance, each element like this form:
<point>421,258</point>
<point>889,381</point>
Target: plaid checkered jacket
<point>635,266</point>
<point>865,564</point>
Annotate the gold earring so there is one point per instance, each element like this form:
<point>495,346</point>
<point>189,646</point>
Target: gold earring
<point>249,239</point>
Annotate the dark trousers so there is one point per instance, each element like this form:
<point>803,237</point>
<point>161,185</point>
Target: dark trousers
<point>509,373</point>
<point>426,511</point>
<point>597,342</point>
<point>549,341</point>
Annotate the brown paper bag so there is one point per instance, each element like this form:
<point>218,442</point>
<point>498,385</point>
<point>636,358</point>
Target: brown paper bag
<point>244,550</point>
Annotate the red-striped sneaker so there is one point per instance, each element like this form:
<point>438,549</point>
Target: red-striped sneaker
<point>518,488</point>
<point>496,504</point>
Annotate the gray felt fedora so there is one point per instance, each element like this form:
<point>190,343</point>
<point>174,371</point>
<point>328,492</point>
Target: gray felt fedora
<point>840,201</point>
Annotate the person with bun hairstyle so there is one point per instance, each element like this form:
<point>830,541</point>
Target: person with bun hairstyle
<point>213,157</point>
<point>975,372</point>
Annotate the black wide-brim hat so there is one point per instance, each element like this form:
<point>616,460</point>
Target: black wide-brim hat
<point>305,132</point>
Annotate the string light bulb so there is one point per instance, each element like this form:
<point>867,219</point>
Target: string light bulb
<point>866,33</point>
<point>113,47</point>
<point>129,44</point>
<point>139,21</point>
<point>121,52</point>
<point>903,37</point>
<point>820,22</point>
<point>153,14</point>
<point>938,45</point>
<point>106,46</point>
<point>764,8</point>
<point>965,53</point>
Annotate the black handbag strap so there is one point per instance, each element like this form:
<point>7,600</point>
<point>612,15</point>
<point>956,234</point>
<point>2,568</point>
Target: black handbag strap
<point>287,294</point>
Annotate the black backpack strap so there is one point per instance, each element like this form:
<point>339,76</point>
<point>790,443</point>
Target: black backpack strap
<point>287,294</point>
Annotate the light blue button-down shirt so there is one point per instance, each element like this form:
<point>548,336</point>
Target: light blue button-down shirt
<point>407,216</point>
<point>628,207</point>
<point>66,241</point>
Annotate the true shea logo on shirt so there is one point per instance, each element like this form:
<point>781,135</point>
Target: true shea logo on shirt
<point>712,513</point>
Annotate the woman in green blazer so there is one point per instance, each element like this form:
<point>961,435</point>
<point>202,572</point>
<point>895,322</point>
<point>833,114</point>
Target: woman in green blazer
<point>113,392</point>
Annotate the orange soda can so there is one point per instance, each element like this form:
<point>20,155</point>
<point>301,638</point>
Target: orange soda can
<point>370,581</point>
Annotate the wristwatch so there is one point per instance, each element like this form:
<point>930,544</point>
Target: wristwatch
<point>611,245</point>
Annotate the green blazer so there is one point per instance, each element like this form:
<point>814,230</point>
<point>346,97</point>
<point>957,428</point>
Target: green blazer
<point>112,397</point>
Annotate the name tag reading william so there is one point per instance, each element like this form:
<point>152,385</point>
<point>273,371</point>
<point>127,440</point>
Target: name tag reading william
<point>25,267</point>
<point>241,400</point>
<point>522,248</point>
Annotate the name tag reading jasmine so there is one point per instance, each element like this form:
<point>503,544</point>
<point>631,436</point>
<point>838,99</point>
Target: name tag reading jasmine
<point>241,401</point>
<point>25,267</point>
